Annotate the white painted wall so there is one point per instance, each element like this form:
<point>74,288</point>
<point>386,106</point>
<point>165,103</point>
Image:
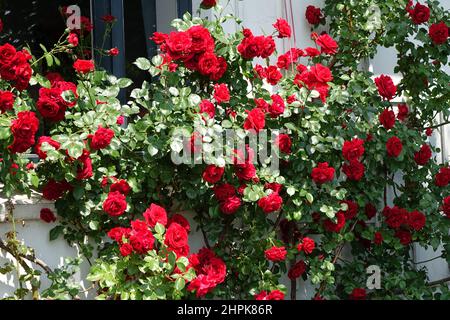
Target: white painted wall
<point>259,15</point>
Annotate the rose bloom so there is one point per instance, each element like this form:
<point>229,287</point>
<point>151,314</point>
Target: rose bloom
<point>284,143</point>
<point>283,28</point>
<point>370,211</point>
<point>313,15</point>
<point>438,33</point>
<point>395,217</point>
<point>442,178</point>
<point>155,214</point>
<point>221,93</point>
<point>113,52</point>
<point>386,87</point>
<point>182,221</point>
<point>352,210</point>
<point>273,75</point>
<point>354,170</point>
<point>394,147</point>
<point>416,220</point>
<point>353,150</point>
<point>276,254</point>
<point>387,119</point>
<point>84,171</point>
<point>327,44</point>
<point>404,237</point>
<point>122,186</point>
<point>331,226</point>
<point>115,205</point>
<point>277,107</point>
<point>307,245</point>
<point>109,18</point>
<point>423,155</point>
<point>84,66</point>
<point>270,203</point>
<point>402,112</point>
<point>126,249</point>
<point>176,236</point>
<point>213,174</point>
<point>246,171</point>
<point>378,238</point>
<point>102,138</point>
<point>208,4</point>
<point>358,294</point>
<point>420,14</point>
<point>6,101</point>
<point>230,205</point>
<point>297,270</point>
<point>47,215</point>
<point>273,295</point>
<point>322,173</point>
<point>207,107</point>
<point>54,190</point>
<point>321,73</point>
<point>159,37</point>
<point>73,39</point>
<point>224,191</point>
<point>446,206</point>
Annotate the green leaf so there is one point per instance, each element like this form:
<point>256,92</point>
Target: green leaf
<point>56,232</point>
<point>143,64</point>
<point>179,284</point>
<point>124,83</point>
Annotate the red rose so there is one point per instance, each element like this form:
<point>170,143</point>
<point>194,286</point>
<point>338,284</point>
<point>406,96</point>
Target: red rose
<point>159,37</point>
<point>246,171</point>
<point>438,33</point>
<point>115,205</point>
<point>442,178</point>
<point>321,73</point>
<point>202,41</point>
<point>182,221</point>
<point>297,270</point>
<point>353,150</point>
<point>122,186</point>
<point>54,190</point>
<point>386,87</point>
<point>49,141</point>
<point>63,86</point>
<point>310,52</point>
<point>354,170</point>
<point>283,28</point>
<point>102,138</point>
<point>47,215</point>
<point>50,104</point>
<point>358,294</point>
<point>395,217</point>
<point>423,155</point>
<point>142,241</point>
<point>404,237</point>
<point>208,4</point>
<point>270,203</point>
<point>126,249</point>
<point>6,101</point>
<point>85,172</point>
<point>118,234</point>
<point>255,120</point>
<point>213,174</point>
<point>276,254</point>
<point>402,112</point>
<point>378,238</point>
<point>370,211</point>
<point>230,205</point>
<point>446,206</point>
<point>337,226</point>
<point>313,15</point>
<point>7,54</point>
<point>322,173</point>
<point>73,39</point>
<point>277,107</point>
<point>307,245</point>
<point>327,44</point>
<point>113,52</point>
<point>84,66</point>
<point>207,107</point>
<point>23,129</point>
<point>273,76</point>
<point>207,63</point>
<point>420,14</point>
<point>273,295</point>
<point>176,236</point>
<point>352,210</point>
<point>155,214</point>
<point>394,147</point>
<point>387,119</point>
<point>179,45</point>
<point>109,18</point>
<point>224,191</point>
<point>284,143</point>
<point>221,93</point>
<point>416,220</point>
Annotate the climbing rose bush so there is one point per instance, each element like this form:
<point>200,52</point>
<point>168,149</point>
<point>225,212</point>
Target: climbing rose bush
<point>344,139</point>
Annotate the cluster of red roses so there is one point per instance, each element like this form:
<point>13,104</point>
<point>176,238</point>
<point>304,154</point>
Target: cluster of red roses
<point>51,104</point>
<point>116,203</point>
<point>210,270</point>
<point>139,238</point>
<point>352,151</point>
<point>195,48</point>
<point>23,129</point>
<point>404,222</point>
<point>15,66</point>
<point>419,14</point>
